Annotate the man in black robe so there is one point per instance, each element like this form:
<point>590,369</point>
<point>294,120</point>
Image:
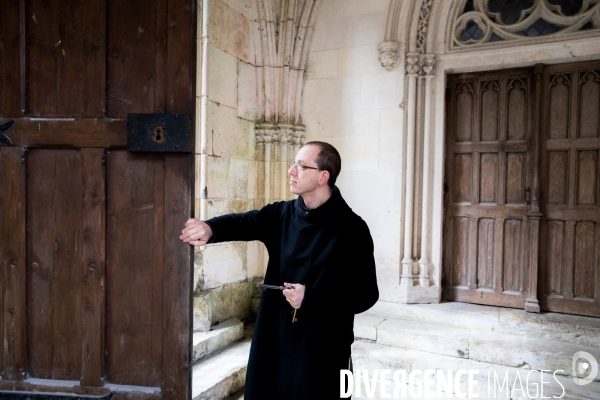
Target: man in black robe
<point>318,246</point>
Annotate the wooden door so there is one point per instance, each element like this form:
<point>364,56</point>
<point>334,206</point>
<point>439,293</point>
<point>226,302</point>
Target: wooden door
<point>489,157</point>
<point>570,229</point>
<point>96,285</point>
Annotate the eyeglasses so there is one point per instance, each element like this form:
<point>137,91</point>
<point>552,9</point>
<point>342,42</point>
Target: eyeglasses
<point>301,168</point>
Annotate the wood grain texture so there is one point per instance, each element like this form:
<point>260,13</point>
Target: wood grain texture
<point>131,58</point>
<point>177,280</point>
<point>93,267</point>
<point>180,56</point>
<point>131,269</point>
<point>94,56</point>
<point>68,274</point>
<point>10,51</point>
<point>14,259</point>
<point>77,133</point>
<point>569,246</point>
<point>488,167</point>
<point>42,233</point>
<point>43,41</point>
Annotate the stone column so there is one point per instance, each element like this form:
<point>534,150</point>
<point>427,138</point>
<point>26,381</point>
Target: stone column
<point>412,70</point>
<point>428,65</point>
<point>285,137</point>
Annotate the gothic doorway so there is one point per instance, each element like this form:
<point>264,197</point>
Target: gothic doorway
<point>522,180</point>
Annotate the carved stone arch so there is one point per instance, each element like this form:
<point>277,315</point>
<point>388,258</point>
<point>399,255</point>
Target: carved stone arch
<point>584,23</point>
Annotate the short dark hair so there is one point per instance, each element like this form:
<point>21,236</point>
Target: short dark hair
<point>328,159</point>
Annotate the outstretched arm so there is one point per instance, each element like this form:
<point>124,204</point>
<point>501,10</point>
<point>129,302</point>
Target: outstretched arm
<point>196,232</point>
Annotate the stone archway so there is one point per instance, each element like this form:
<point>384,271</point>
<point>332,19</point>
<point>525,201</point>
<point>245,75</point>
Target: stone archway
<point>418,39</point>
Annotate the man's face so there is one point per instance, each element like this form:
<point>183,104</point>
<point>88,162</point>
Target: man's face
<point>305,182</point>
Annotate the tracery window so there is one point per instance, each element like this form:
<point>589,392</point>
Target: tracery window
<point>484,21</point>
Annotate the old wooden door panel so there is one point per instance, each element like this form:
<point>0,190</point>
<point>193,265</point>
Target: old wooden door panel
<point>55,269</point>
<point>102,223</point>
<point>488,164</point>
<point>570,231</point>
<point>14,273</point>
<point>135,231</point>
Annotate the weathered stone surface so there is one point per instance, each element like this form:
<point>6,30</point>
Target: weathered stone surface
<point>424,337</point>
<point>463,315</point>
<point>365,326</point>
<point>358,61</point>
<point>389,139</point>
<point>371,356</point>
<point>231,301</point>
<point>219,336</point>
<point>552,355</point>
<point>247,8</point>
<point>222,374</point>
<point>322,64</point>
<point>497,349</point>
<point>222,265</point>
<point>230,135</point>
<point>256,262</point>
<point>238,179</point>
<point>202,313</point>
<point>229,30</point>
<point>217,177</point>
<point>198,276</point>
<point>247,107</point>
<point>222,77</point>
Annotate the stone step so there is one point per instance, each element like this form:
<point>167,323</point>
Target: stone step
<point>218,337</point>
<point>222,373</point>
<point>371,357</point>
<point>511,350</point>
<point>574,329</point>
<point>239,395</point>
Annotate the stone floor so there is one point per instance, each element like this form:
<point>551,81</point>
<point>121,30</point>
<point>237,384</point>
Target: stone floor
<point>501,344</point>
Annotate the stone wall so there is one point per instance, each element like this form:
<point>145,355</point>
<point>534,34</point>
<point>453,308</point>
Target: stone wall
<point>226,170</point>
<point>351,101</point>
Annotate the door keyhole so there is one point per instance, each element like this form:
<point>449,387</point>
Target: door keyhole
<point>159,135</point>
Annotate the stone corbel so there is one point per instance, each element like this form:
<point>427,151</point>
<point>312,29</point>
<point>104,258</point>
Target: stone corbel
<point>388,54</point>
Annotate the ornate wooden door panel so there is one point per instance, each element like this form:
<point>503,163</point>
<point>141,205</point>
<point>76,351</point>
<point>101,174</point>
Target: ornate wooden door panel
<point>570,229</point>
<point>489,161</point>
<point>96,285</point>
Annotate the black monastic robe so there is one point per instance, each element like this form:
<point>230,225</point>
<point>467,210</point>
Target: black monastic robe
<point>330,250</point>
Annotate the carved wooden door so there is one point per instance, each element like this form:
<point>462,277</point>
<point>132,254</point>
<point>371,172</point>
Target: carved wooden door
<point>96,285</point>
<point>570,229</point>
<point>489,158</point>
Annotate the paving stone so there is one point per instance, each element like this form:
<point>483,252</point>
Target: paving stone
<point>428,337</point>
<point>371,356</point>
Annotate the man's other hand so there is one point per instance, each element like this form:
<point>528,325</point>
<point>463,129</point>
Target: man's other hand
<point>196,232</point>
<point>294,296</point>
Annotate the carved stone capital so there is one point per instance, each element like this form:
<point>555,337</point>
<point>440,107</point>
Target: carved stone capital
<point>412,64</point>
<point>388,54</point>
<point>428,64</point>
<point>298,135</point>
<point>272,132</point>
<point>285,133</point>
